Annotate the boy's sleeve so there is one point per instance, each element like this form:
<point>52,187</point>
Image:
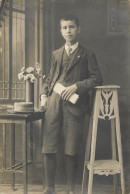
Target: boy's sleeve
<point>48,79</point>
<point>95,77</point>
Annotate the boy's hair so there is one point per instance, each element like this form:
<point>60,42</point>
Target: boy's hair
<point>70,17</point>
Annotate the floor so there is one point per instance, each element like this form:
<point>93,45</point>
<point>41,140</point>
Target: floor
<point>37,189</point>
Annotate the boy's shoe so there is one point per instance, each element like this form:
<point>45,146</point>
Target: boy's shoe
<point>70,190</point>
<point>49,190</point>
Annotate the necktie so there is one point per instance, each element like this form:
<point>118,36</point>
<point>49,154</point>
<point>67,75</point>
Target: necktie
<point>69,50</point>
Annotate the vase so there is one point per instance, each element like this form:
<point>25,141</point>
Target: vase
<point>29,91</point>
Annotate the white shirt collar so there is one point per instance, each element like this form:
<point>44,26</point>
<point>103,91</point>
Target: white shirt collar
<point>73,47</point>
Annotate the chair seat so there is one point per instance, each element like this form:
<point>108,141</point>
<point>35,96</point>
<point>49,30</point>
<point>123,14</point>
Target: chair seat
<point>105,167</point>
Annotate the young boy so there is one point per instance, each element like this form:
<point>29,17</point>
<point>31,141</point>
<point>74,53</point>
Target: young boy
<point>75,67</point>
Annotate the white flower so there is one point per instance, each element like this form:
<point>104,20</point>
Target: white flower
<point>23,69</point>
<point>30,70</point>
<point>28,76</point>
<point>24,77</point>
<point>20,76</point>
<point>33,78</point>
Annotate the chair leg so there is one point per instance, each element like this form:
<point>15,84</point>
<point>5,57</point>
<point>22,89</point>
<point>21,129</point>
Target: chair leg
<point>113,141</point>
<point>93,142</point>
<point>92,157</point>
<point>87,153</point>
<point>119,145</point>
<point>120,154</point>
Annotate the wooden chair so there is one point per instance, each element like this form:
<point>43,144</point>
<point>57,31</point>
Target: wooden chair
<point>105,106</point>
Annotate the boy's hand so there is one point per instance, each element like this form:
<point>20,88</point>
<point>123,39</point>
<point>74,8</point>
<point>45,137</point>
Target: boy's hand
<point>67,93</point>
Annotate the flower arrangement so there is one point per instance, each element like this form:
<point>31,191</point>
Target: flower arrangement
<point>30,73</point>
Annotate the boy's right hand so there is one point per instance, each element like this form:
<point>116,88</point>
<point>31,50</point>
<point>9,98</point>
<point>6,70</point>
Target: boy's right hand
<point>68,92</point>
<point>43,101</point>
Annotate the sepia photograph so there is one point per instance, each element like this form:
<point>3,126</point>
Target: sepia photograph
<point>64,96</point>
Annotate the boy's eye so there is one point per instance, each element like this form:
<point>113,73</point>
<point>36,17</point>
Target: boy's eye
<point>65,27</point>
<point>72,27</point>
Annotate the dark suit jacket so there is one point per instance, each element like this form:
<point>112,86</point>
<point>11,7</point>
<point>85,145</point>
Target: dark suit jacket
<point>83,71</point>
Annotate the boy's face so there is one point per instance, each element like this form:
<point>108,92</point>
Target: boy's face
<point>69,31</point>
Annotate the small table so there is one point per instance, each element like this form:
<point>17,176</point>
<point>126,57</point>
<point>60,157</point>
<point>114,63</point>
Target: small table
<point>24,119</point>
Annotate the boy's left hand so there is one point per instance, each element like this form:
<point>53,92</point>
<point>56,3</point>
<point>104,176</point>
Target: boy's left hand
<point>68,92</point>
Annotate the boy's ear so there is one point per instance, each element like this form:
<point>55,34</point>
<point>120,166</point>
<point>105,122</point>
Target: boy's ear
<point>79,29</point>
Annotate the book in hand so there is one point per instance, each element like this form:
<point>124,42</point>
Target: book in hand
<point>59,88</point>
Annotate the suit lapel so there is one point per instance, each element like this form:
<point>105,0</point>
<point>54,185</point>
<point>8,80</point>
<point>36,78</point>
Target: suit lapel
<point>77,56</point>
<point>59,56</point>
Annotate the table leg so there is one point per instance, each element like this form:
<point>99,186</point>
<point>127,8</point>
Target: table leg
<point>4,147</point>
<point>31,140</point>
<point>24,132</point>
<point>13,153</point>
<point>42,157</point>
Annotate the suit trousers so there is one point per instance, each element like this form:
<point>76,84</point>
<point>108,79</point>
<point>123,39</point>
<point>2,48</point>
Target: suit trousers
<point>58,122</point>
